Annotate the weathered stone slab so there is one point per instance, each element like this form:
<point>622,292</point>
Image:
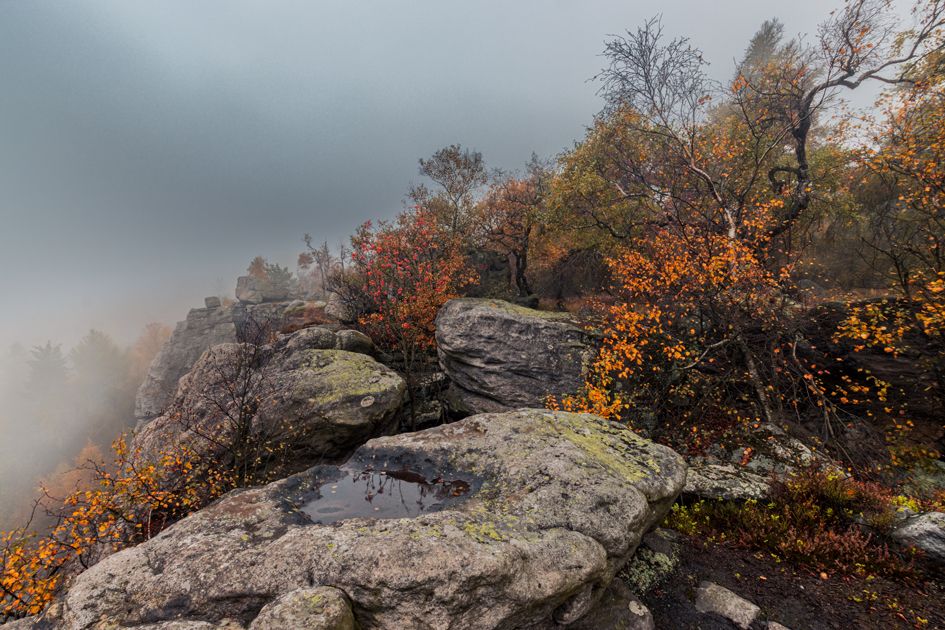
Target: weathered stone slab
<point>258,290</point>
<point>319,608</point>
<point>727,481</point>
<point>201,330</point>
<point>338,399</point>
<point>926,532</point>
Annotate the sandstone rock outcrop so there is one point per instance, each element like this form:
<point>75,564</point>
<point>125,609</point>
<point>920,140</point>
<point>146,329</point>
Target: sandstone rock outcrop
<point>201,330</point>
<point>205,328</point>
<point>500,356</point>
<point>258,290</point>
<point>338,399</point>
<point>556,504</point>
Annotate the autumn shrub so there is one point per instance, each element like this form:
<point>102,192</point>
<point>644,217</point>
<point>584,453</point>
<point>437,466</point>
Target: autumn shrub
<point>409,274</point>
<point>348,287</point>
<point>700,328</point>
<point>910,330</point>
<point>809,521</point>
<point>224,438</point>
<point>128,501</point>
<point>304,316</point>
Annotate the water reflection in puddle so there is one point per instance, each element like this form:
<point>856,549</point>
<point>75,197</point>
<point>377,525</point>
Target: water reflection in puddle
<point>389,494</point>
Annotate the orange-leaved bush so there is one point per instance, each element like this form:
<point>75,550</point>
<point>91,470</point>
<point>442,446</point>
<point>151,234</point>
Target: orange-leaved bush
<point>127,502</point>
<point>409,274</point>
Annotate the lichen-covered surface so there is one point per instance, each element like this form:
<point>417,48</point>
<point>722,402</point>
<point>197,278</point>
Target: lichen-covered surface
<point>560,506</point>
<point>500,356</point>
<point>926,532</point>
<point>739,466</point>
<point>727,481</point>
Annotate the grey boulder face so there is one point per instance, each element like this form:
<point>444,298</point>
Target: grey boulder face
<point>556,504</point>
<point>618,609</point>
<point>201,330</point>
<point>501,357</point>
<point>728,482</point>
<point>340,399</point>
<point>337,309</point>
<point>258,290</point>
<point>926,532</point>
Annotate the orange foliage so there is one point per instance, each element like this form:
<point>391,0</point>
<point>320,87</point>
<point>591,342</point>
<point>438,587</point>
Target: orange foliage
<point>692,307</point>
<point>127,501</point>
<point>146,347</point>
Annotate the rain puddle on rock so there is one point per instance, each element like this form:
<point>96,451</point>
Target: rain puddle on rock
<point>388,494</point>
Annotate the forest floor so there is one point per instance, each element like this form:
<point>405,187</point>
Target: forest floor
<point>790,595</point>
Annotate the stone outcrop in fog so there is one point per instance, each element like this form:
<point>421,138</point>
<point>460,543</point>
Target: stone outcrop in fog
<point>305,383</point>
<point>201,330</point>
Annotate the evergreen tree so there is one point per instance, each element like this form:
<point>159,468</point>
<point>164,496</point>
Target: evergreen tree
<point>48,371</point>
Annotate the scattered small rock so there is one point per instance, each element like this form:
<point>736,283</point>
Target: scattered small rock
<point>926,532</point>
<point>618,608</point>
<point>713,598</point>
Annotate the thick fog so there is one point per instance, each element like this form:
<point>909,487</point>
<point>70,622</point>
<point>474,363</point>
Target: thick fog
<point>150,150</point>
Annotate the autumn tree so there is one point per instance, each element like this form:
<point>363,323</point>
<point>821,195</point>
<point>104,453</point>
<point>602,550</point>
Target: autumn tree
<point>408,273</point>
<point>902,236</point>
<point>257,267</point>
<point>903,183</point>
<point>146,347</point>
<point>263,269</point>
<point>699,188</point>
<point>459,174</point>
<point>511,211</point>
<point>321,257</point>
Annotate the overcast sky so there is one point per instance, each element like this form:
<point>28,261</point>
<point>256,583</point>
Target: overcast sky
<point>149,150</point>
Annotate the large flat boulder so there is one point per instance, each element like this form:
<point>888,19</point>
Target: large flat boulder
<point>299,384</point>
<point>512,521</point>
<point>500,356</point>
